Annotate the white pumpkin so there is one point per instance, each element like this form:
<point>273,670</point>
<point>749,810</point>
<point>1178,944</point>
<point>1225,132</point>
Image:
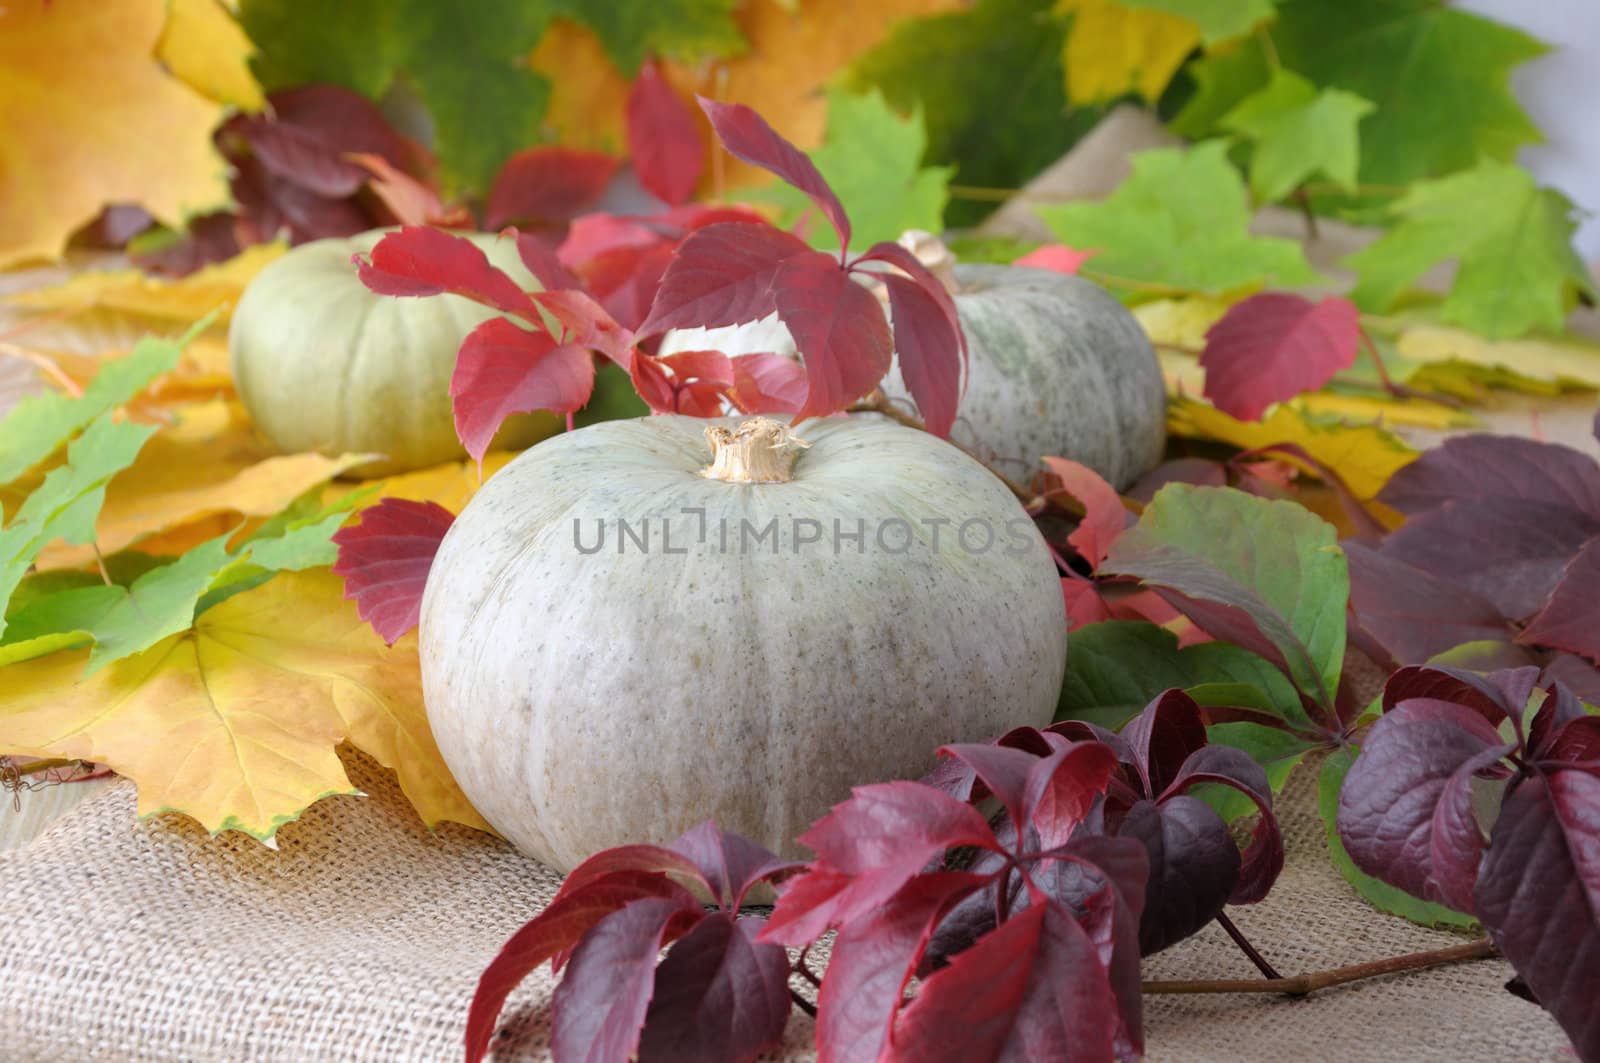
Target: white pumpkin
<point>622,636</point>
<point>1057,367</point>
<point>324,364</point>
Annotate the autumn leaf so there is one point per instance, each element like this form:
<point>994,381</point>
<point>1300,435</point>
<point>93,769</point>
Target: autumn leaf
<point>205,48</point>
<point>1181,219</point>
<point>1275,345</point>
<point>97,121</point>
<point>1565,362</point>
<point>133,292</point>
<point>1299,131</point>
<point>1513,241</point>
<point>257,696</point>
<point>1114,48</point>
<point>1215,21</point>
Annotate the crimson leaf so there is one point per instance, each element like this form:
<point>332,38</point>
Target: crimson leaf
<point>749,138</point>
<point>544,263</point>
<point>719,995</point>
<point>548,186</point>
<point>722,274</point>
<point>729,864</point>
<point>384,559</point>
<point>929,353</point>
<point>422,261</point>
<point>1104,517</point>
<point>1275,345</point>
<point>838,328</point>
<point>503,369</point>
<point>663,139</point>
<point>768,383</point>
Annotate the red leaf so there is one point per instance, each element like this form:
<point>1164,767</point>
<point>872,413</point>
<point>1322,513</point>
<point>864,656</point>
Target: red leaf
<point>719,995</point>
<point>594,234</point>
<point>729,863</point>
<point>1415,615</point>
<point>1568,619</point>
<point>653,383</point>
<point>547,185</point>
<point>838,328</point>
<point>1057,257</point>
<point>663,138</point>
<point>644,859</point>
<point>1085,604</point>
<point>903,259</point>
<point>1033,988</point>
<point>929,352</point>
<point>504,369</point>
<point>1063,787</point>
<point>587,323</point>
<point>310,131</point>
<point>768,383</point>
<point>600,1005</point>
<point>1274,346</point>
<point>409,200</point>
<point>626,279</point>
<point>723,274</point>
<point>749,138</point>
<point>553,931</point>
<point>384,559</point>
<point>422,261</point>
<point>872,963</point>
<point>1104,516</point>
<point>543,262</point>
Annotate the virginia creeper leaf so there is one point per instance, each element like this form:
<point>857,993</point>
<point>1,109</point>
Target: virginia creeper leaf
<point>1539,895</point>
<point>838,328</point>
<point>310,132</point>
<point>929,351</point>
<point>1506,469</point>
<point>1194,867</point>
<point>1298,132</point>
<point>1273,346</point>
<point>768,383</point>
<point>1414,614</point>
<point>385,558</point>
<point>1104,517</point>
<point>1567,621</point>
<point>664,141</point>
<point>729,863</point>
<point>719,994</point>
<point>547,186</point>
<point>749,138</point>
<point>505,369</point>
<point>722,274</point>
<point>1181,219</point>
<point>423,261</point>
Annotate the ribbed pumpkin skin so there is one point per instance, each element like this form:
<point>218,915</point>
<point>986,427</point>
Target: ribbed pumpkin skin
<point>591,700</point>
<point>324,364</point>
<point>1058,367</point>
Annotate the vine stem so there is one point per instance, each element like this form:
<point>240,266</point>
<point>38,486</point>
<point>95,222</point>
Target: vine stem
<point>1249,950</point>
<point>1305,984</point>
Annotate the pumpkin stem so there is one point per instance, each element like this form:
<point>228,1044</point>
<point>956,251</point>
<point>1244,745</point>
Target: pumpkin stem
<point>759,451</point>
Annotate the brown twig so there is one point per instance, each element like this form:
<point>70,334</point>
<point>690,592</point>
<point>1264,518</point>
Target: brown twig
<point>1304,984</point>
<point>1249,950</point>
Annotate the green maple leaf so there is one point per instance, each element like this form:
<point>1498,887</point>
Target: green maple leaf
<point>1181,219</point>
<point>1217,20</point>
<point>990,86</point>
<point>1299,131</point>
<point>873,159</point>
<point>467,62</point>
<point>67,503</point>
<point>1439,78</point>
<point>1513,240</point>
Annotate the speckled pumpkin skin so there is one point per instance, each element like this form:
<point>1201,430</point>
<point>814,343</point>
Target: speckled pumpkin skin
<point>1057,367</point>
<point>586,700</point>
<point>324,364</point>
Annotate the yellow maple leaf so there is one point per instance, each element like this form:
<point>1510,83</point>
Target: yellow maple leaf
<point>1112,50</point>
<point>235,722</point>
<point>196,478</point>
<point>92,118</point>
<point>793,51</point>
<point>1364,456</point>
<point>203,45</point>
<point>130,291</point>
<point>1538,366</point>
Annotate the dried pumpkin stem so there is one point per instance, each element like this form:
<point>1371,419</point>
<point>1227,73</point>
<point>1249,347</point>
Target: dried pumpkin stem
<point>759,451</point>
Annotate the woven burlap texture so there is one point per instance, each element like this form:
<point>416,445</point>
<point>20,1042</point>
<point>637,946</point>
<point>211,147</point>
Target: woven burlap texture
<point>362,937</point>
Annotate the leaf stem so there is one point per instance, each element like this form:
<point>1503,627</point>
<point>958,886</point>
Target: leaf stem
<point>1305,984</point>
<point>1249,950</point>
<point>802,1003</point>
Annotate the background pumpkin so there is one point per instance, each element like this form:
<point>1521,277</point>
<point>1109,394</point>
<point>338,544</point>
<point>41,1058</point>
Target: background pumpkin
<point>1058,367</point>
<point>324,364</point>
<point>586,700</point>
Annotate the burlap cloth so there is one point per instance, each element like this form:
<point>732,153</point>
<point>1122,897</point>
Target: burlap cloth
<point>362,937</point>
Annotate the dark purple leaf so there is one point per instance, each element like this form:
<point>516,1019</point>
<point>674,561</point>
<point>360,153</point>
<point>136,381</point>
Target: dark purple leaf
<point>600,1005</point>
<point>1504,469</point>
<point>1201,472</point>
<point>1494,697</point>
<point>1262,859</point>
<point>1560,708</point>
<point>1003,771</point>
<point>1163,736</point>
<point>729,863</point>
<point>1570,620</point>
<point>722,274</point>
<point>1194,867</point>
<point>1575,673</point>
<point>1396,810</point>
<point>1539,895</point>
<point>838,328</point>
<point>1416,615</point>
<point>719,995</point>
<point>310,130</point>
<point>749,138</point>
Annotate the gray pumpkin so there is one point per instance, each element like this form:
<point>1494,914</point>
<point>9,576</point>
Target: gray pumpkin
<point>1058,367</point>
<point>591,687</point>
